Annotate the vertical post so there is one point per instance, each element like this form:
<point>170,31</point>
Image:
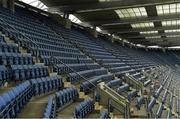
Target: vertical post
<point>8,4</point>
<point>112,39</point>
<point>123,44</point>
<point>95,34</point>
<point>164,49</point>
<point>66,15</point>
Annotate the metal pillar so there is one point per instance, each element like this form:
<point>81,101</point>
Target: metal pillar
<point>8,4</point>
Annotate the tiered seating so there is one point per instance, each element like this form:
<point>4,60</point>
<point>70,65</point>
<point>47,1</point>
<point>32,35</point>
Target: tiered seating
<point>102,56</point>
<point>84,108</point>
<point>66,60</point>
<point>14,65</point>
<point>75,77</point>
<point>77,67</point>
<point>46,84</point>
<point>87,85</point>
<point>95,60</point>
<point>50,111</point>
<point>23,72</point>
<point>66,96</point>
<point>14,100</point>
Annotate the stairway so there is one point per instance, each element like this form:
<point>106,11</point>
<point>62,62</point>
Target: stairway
<point>36,106</point>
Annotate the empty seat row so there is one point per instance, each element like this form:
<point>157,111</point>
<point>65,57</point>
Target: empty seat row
<point>84,108</point>
<point>22,72</point>
<point>58,48</point>
<point>122,73</point>
<point>2,39</point>
<point>14,100</point>
<point>132,94</point>
<point>46,84</point>
<point>50,111</point>
<point>65,96</point>
<point>123,88</point>
<point>87,85</point>
<point>15,59</point>
<point>120,64</point>
<point>77,67</point>
<point>103,56</point>
<point>118,69</point>
<point>4,75</point>
<point>151,104</point>
<point>67,60</point>
<point>146,83</point>
<point>8,47</point>
<point>114,83</point>
<point>157,93</point>
<point>48,52</point>
<point>74,77</point>
<point>108,60</point>
<point>160,110</point>
<point>164,96</point>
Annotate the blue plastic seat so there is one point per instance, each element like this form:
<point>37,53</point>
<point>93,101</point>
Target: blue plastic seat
<point>84,108</point>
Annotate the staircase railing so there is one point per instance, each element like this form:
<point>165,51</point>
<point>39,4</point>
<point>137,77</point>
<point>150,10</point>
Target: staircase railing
<point>117,101</point>
<point>20,33</point>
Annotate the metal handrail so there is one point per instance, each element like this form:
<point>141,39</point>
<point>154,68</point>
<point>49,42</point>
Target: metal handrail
<point>19,33</point>
<point>74,72</point>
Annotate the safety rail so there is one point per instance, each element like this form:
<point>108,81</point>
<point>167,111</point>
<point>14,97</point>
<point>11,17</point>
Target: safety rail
<point>113,99</point>
<point>11,26</point>
<point>62,36</point>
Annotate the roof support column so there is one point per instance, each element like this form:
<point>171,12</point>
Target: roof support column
<point>164,49</point>
<point>92,31</point>
<point>123,44</point>
<point>111,38</point>
<point>8,4</point>
<point>66,15</point>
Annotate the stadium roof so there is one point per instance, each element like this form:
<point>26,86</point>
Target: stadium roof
<point>147,22</point>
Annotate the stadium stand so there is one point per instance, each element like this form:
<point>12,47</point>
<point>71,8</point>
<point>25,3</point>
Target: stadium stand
<point>50,71</point>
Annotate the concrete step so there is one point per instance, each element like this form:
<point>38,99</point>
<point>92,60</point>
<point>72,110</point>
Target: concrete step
<point>23,50</point>
<point>8,40</point>
<point>94,115</point>
<point>36,60</point>
<point>68,112</point>
<point>98,106</point>
<point>67,84</point>
<point>53,74</point>
<point>83,96</point>
<point>36,107</point>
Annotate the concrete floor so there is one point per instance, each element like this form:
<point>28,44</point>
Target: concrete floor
<point>36,107</point>
<point>8,87</point>
<point>94,115</point>
<point>67,112</point>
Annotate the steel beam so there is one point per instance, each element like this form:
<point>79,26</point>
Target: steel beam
<point>132,21</point>
<point>110,5</point>
<point>143,29</point>
<point>154,34</point>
